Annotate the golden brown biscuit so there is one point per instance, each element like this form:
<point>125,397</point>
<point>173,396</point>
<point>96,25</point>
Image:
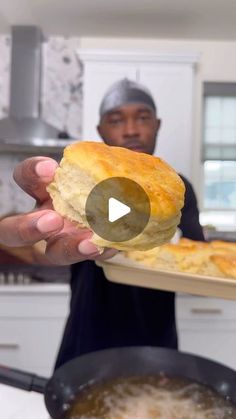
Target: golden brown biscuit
<point>195,257</point>
<point>226,264</point>
<point>183,241</point>
<point>220,244</point>
<point>85,164</point>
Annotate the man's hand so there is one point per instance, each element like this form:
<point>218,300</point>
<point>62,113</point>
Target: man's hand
<point>66,243</point>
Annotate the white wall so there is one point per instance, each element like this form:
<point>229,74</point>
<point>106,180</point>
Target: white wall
<point>217,63</point>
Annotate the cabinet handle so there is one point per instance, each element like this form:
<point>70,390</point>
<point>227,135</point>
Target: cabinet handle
<point>9,346</point>
<point>206,311</point>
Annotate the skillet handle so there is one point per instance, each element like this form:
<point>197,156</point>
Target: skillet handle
<point>21,379</point>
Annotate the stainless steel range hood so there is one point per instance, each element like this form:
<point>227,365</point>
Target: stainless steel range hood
<point>24,130</point>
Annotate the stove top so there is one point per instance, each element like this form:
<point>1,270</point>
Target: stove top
<point>33,274</point>
<point>16,278</point>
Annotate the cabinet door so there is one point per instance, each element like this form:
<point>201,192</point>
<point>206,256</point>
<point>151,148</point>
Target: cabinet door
<point>207,327</point>
<point>172,88</point>
<point>30,344</point>
<point>98,77</point>
<point>32,321</point>
<point>217,343</point>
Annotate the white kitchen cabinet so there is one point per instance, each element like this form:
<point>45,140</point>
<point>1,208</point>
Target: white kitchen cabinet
<point>172,89</point>
<point>97,79</point>
<point>207,327</point>
<point>32,320</point>
<point>170,78</point>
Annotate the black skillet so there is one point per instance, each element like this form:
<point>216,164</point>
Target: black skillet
<point>95,367</point>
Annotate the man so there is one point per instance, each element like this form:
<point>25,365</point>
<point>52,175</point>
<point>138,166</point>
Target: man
<point>103,314</point>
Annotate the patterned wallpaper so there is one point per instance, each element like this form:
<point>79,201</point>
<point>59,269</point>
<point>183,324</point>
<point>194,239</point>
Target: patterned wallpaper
<point>61,106</point>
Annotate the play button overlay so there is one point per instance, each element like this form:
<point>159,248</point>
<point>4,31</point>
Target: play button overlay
<point>117,209</point>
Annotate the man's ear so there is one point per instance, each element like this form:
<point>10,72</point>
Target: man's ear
<point>158,124</point>
<point>99,129</point>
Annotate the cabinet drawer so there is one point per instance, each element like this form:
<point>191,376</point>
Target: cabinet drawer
<point>34,306</point>
<point>190,308</point>
<point>30,344</point>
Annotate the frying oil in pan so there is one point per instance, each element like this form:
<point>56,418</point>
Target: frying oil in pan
<point>159,397</point>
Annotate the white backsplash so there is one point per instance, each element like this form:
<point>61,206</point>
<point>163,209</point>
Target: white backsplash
<point>4,74</point>
<point>62,85</point>
<point>61,106</point>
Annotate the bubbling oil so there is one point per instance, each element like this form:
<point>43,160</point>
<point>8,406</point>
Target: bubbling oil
<point>159,397</point>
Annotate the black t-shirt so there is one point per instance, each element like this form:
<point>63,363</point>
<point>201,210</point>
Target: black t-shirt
<point>104,314</point>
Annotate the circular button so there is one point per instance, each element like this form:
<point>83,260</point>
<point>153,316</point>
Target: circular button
<point>117,209</point>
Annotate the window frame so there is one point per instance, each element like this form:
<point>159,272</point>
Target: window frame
<point>214,89</point>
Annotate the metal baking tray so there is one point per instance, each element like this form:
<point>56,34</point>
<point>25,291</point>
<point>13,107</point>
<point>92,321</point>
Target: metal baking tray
<point>122,270</point>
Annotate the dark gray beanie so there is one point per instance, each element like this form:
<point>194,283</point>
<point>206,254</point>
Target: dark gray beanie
<point>124,92</point>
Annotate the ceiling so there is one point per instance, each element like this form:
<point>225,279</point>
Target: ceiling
<point>180,19</point>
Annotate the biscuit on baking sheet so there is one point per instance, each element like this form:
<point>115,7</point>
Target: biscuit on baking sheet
<point>220,244</point>
<point>216,259</point>
<point>85,164</point>
<point>226,264</point>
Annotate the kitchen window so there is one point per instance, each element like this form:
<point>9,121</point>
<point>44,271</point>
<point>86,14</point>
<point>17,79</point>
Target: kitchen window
<point>219,156</point>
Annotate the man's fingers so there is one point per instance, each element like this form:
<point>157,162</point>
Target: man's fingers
<point>66,249</point>
<point>106,254</point>
<point>66,244</point>
<point>63,249</point>
<point>22,230</point>
<point>33,175</point>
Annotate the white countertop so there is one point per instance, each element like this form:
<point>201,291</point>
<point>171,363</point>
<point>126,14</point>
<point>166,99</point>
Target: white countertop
<point>19,404</point>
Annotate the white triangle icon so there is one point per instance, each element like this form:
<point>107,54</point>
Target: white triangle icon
<point>116,209</point>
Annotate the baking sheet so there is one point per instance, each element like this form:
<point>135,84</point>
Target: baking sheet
<point>125,271</point>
